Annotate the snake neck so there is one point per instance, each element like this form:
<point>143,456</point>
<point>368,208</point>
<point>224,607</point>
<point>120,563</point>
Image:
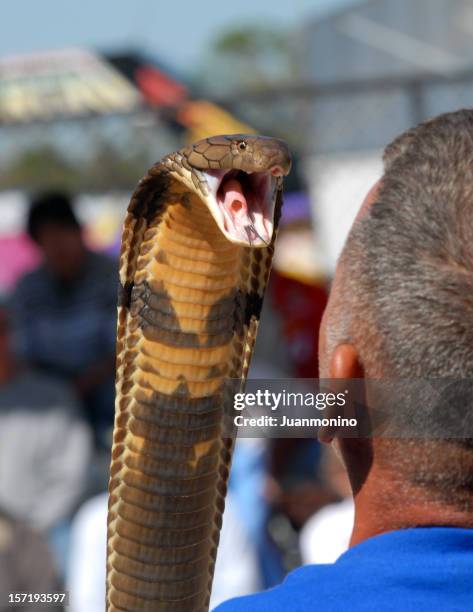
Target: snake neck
<point>189,311</point>
<point>168,475</point>
<point>190,297</point>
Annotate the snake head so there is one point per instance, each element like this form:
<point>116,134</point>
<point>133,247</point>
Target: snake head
<point>242,175</point>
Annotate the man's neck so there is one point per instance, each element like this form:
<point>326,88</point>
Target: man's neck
<point>386,502</point>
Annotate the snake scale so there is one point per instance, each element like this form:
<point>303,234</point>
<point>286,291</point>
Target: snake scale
<point>196,253</point>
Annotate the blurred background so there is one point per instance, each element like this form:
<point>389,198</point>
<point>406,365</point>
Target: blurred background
<point>91,94</point>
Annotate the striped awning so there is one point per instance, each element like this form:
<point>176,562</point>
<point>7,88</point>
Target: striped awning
<point>62,85</point>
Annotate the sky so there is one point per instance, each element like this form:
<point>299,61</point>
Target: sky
<point>176,31</point>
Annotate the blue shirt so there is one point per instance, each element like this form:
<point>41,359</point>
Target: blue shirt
<point>419,569</point>
<point>65,328</point>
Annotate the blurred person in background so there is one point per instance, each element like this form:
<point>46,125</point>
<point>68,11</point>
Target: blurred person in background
<point>26,564</point>
<point>401,308</point>
<point>326,534</point>
<point>236,568</point>
<point>45,446</point>
<point>296,490</point>
<point>65,310</point>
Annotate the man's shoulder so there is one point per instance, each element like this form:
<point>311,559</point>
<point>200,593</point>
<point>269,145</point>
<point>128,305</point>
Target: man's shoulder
<point>298,593</point>
<point>31,280</point>
<point>418,569</point>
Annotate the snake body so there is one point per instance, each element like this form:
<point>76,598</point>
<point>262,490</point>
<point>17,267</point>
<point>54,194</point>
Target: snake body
<point>193,271</point>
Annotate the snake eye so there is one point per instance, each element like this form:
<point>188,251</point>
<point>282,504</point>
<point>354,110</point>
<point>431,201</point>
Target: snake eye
<point>242,145</point>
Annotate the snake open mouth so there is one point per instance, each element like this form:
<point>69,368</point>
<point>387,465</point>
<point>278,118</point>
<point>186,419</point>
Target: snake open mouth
<point>243,204</point>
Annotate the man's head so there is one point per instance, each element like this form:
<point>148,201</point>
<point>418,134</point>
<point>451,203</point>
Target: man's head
<point>53,225</point>
<point>402,300</point>
<point>403,292</point>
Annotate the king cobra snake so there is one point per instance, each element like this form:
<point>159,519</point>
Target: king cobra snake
<point>196,253</point>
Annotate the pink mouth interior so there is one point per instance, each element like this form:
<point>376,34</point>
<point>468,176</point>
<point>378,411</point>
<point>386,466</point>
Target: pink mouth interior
<point>243,201</point>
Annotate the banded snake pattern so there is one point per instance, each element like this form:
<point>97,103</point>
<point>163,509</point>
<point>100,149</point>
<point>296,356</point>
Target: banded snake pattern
<point>196,253</point>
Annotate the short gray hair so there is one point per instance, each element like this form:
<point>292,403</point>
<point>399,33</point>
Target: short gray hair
<point>405,298</point>
<point>408,263</point>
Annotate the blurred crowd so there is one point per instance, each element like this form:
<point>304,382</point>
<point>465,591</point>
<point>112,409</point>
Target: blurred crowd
<point>288,499</point>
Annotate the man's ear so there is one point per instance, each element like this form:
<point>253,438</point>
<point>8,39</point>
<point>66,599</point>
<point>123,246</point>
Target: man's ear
<point>344,366</point>
<point>345,363</point>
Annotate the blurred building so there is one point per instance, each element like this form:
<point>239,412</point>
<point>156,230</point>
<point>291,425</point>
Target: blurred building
<point>372,70</point>
<point>76,99</point>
